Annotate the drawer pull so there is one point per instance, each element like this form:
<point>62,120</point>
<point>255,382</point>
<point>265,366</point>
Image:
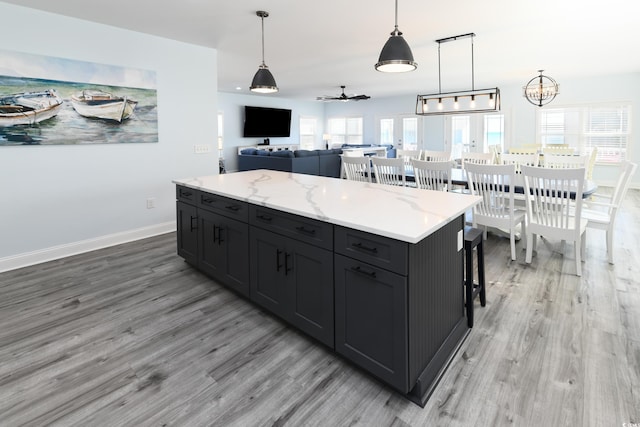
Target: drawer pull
<point>362,247</point>
<point>278,265</point>
<point>360,270</point>
<point>220,239</point>
<point>287,269</point>
<point>208,200</point>
<point>264,217</point>
<point>185,193</point>
<point>234,208</point>
<point>303,229</point>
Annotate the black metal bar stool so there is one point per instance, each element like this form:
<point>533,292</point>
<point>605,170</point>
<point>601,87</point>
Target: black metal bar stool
<point>473,239</point>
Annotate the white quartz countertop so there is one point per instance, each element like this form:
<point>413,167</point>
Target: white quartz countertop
<point>402,213</point>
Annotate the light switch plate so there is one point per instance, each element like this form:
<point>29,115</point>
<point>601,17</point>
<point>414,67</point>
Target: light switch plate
<point>460,239</point>
<point>202,148</point>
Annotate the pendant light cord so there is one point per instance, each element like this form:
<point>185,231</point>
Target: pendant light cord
<point>262,19</point>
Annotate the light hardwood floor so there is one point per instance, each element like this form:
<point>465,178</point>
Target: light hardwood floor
<point>132,336</point>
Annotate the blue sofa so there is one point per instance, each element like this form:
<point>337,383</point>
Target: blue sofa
<point>310,162</point>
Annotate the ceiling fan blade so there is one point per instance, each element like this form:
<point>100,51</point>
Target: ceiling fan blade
<point>359,97</point>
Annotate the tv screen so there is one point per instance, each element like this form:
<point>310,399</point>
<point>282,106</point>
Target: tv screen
<point>263,122</point>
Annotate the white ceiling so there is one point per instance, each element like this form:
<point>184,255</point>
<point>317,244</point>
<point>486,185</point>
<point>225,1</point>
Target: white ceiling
<point>312,50</point>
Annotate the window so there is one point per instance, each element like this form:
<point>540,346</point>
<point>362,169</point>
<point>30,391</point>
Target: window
<point>606,127</point>
<point>308,127</point>
<point>346,130</point>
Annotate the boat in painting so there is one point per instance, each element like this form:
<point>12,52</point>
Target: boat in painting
<point>28,108</point>
<point>103,105</point>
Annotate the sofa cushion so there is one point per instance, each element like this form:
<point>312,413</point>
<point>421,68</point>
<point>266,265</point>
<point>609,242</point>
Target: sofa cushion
<point>263,152</point>
<point>305,153</point>
<point>282,153</point>
<point>249,151</point>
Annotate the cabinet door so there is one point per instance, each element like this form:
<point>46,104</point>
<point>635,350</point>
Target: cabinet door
<point>224,250</point>
<point>187,223</point>
<point>267,270</point>
<point>233,237</point>
<point>371,319</point>
<point>211,254</point>
<point>310,295</point>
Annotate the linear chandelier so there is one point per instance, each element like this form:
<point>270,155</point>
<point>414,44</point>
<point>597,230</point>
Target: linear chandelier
<point>466,101</point>
<point>540,90</point>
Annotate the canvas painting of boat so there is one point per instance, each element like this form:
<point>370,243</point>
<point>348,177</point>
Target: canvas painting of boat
<point>103,105</point>
<point>28,108</point>
<point>48,100</point>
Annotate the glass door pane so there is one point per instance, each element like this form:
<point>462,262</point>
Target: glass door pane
<point>386,131</point>
<point>410,133</point>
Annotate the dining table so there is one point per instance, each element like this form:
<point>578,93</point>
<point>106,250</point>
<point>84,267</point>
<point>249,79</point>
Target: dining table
<point>459,178</point>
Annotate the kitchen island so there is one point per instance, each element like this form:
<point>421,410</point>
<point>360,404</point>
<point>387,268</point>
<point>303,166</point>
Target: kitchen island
<point>374,272</point>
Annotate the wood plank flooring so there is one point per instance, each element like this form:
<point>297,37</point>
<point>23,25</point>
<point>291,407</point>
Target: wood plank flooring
<point>133,336</point>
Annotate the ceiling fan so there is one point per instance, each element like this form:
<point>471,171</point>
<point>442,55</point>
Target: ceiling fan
<point>343,97</point>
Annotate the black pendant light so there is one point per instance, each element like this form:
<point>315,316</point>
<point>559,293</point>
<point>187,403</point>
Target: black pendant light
<point>263,81</point>
<point>396,56</point>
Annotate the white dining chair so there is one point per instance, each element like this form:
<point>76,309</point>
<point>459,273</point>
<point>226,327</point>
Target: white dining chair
<point>390,171</point>
<point>435,156</point>
<point>357,168</point>
<point>558,149</point>
<point>407,155</point>
<point>563,161</point>
<point>476,158</point>
<point>601,215</point>
<point>530,159</point>
<point>494,183</point>
<point>523,150</point>
<point>432,175</point>
<point>551,211</point>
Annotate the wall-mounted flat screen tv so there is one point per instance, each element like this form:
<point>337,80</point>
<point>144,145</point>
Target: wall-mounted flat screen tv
<point>261,122</point>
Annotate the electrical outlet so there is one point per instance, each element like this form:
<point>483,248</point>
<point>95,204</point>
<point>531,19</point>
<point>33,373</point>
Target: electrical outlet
<point>151,203</point>
<point>202,148</point>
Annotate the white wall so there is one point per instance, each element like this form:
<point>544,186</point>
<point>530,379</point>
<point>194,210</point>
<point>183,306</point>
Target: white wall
<point>59,200</point>
<point>231,105</point>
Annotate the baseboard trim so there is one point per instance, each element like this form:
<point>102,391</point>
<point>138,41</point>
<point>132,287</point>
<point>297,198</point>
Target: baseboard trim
<point>75,248</point>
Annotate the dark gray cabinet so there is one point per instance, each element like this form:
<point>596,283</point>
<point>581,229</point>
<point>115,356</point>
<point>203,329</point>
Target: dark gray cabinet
<point>223,245</point>
<point>213,235</point>
<point>371,319</point>
<point>290,276</point>
<point>187,223</point>
<point>399,307</point>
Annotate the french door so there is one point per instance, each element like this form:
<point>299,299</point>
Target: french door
<point>473,133</point>
<point>401,131</point>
